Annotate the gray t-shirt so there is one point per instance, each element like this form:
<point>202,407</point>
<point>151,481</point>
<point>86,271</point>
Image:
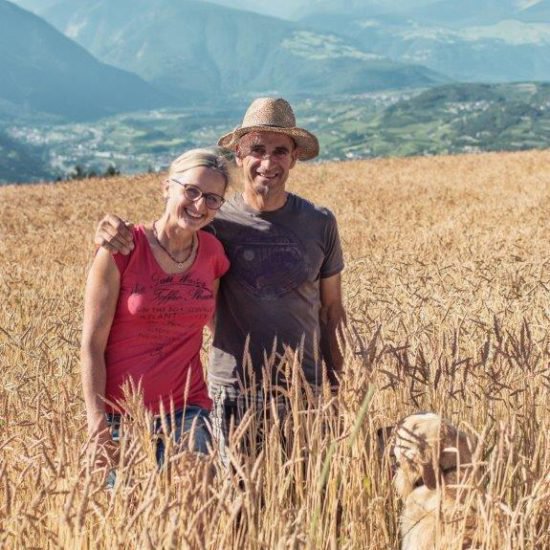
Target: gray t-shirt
<point>269,298</point>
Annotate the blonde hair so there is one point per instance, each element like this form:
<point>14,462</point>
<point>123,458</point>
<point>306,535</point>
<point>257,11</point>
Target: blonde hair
<point>216,158</point>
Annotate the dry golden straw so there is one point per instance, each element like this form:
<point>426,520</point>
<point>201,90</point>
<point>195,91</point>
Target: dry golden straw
<point>447,288</point>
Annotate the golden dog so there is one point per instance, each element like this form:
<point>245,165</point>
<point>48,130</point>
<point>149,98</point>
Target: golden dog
<point>433,469</point>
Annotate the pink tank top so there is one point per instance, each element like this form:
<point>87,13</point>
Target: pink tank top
<point>156,335</point>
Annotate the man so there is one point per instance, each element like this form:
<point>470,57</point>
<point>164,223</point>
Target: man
<point>283,289</point>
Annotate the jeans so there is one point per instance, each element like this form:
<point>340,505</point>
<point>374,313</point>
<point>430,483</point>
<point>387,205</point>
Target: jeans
<point>191,421</point>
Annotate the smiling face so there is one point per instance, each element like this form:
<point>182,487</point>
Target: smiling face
<point>185,213</point>
<point>266,159</point>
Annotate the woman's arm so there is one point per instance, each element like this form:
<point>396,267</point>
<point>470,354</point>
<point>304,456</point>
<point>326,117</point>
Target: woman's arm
<point>100,300</point>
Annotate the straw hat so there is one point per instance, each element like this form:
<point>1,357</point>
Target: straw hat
<point>267,114</point>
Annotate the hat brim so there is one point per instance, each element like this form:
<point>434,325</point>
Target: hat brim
<point>306,143</point>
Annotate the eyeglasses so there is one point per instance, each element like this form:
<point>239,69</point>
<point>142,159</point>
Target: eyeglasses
<point>193,193</point>
<point>258,152</point>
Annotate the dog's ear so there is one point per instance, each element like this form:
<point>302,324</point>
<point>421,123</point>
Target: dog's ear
<point>428,475</point>
<point>456,447</point>
<point>383,436</point>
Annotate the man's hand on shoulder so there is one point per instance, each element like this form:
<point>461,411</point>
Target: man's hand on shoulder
<point>114,234</point>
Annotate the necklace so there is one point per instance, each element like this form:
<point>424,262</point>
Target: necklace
<point>179,263</point>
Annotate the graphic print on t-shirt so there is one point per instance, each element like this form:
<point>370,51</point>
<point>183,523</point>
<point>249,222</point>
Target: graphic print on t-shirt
<point>169,296</point>
<point>268,265</point>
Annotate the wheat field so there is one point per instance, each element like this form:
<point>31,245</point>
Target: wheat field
<point>447,289</point>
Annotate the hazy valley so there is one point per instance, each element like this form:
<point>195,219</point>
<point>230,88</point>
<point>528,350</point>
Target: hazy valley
<point>129,85</point>
<point>451,119</point>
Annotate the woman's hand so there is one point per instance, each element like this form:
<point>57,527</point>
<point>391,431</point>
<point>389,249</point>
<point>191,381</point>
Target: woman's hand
<point>102,450</point>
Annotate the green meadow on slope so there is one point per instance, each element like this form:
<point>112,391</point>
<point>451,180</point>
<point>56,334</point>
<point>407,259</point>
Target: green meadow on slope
<point>456,118</point>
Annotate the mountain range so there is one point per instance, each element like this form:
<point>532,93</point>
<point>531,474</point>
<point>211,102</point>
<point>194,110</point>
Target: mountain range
<point>44,71</point>
<point>470,40</point>
<point>184,71</point>
<point>199,51</point>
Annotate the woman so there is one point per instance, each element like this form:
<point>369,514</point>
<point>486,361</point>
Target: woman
<point>144,313</point>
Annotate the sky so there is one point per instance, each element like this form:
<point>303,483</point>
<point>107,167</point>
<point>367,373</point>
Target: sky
<point>285,9</point>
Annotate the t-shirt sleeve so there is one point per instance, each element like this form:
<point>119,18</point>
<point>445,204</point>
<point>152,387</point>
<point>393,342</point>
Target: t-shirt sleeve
<point>122,260</point>
<point>222,265</point>
<point>334,260</point>
<point>220,259</point>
